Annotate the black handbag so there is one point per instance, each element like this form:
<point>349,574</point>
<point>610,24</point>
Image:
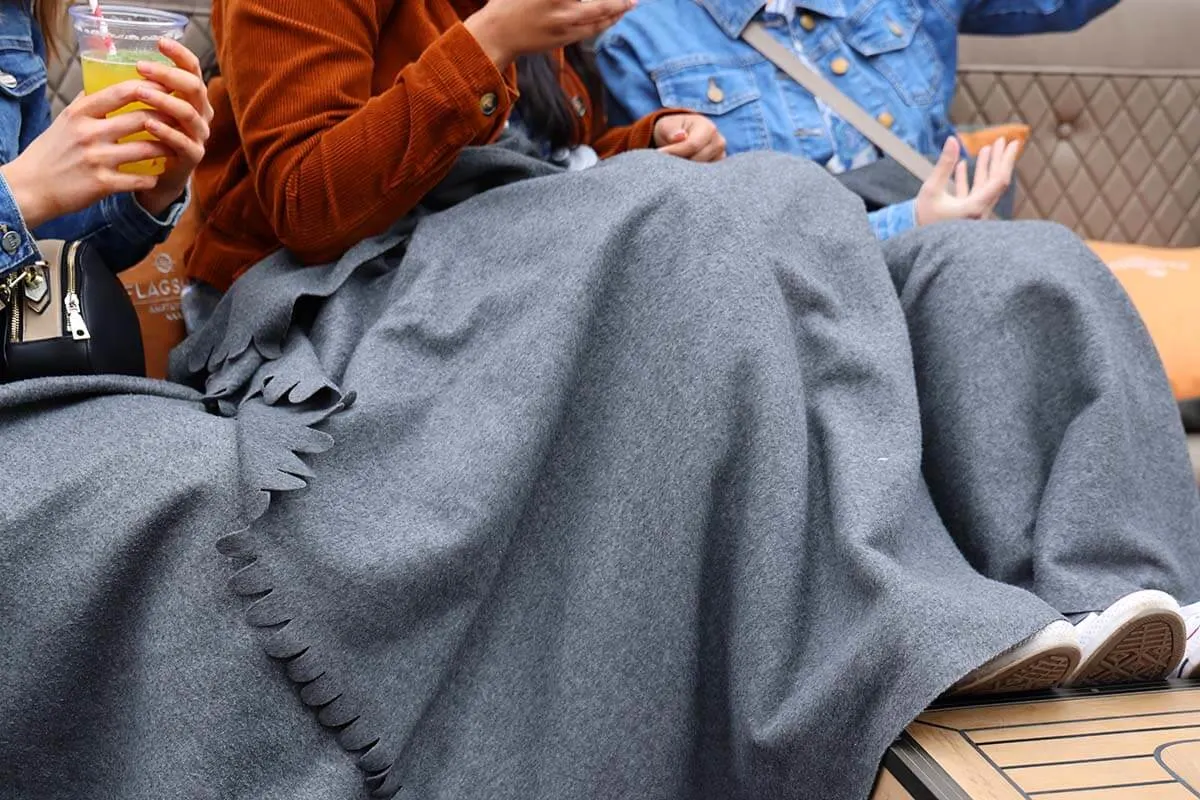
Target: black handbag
<point>881,183</point>
<point>67,314</point>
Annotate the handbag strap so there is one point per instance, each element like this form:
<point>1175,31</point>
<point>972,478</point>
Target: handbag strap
<point>757,36</point>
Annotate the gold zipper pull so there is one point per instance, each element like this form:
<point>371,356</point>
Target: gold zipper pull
<point>8,283</point>
<point>79,329</point>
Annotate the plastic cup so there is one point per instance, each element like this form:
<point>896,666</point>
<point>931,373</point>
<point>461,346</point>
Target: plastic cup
<point>111,46</point>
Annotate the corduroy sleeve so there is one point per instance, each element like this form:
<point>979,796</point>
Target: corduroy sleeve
<point>332,164</point>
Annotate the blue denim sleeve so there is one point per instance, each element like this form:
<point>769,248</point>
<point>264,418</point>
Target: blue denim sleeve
<point>631,94</point>
<point>118,227</point>
<point>16,242</point>
<point>121,230</point>
<point>1017,17</point>
<point>893,220</point>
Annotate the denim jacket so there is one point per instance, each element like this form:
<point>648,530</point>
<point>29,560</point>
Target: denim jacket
<point>120,229</point>
<point>895,58</point>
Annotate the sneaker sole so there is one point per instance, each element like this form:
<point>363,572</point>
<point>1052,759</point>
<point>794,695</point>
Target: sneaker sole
<point>1145,649</point>
<point>1045,670</point>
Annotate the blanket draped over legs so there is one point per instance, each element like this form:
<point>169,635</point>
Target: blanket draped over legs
<point>602,484</point>
<point>1053,448</point>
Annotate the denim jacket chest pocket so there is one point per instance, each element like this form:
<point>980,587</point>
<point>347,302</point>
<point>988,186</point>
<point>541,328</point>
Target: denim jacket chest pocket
<point>22,84</point>
<point>889,36</point>
<point>726,91</point>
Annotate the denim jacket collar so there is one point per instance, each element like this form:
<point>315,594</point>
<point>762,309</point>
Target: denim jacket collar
<point>734,15</point>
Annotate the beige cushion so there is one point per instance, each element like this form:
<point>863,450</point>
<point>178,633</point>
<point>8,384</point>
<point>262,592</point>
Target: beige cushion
<point>1114,109</point>
<point>65,81</point>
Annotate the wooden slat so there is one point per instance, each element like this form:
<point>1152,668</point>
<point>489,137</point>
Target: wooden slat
<point>1166,791</point>
<point>1183,758</point>
<point>888,788</point>
<point>1118,745</point>
<point>962,762</point>
<point>1053,730</point>
<point>1066,709</point>
<point>1139,745</point>
<point>1088,775</point>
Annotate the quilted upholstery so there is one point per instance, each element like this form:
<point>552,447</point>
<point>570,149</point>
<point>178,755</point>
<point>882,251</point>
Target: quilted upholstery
<point>65,80</point>
<point>1116,157</point>
<point>1115,115</point>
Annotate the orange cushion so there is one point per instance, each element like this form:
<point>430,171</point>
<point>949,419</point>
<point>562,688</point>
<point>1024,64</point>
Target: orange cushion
<point>976,140</point>
<point>1164,284</point>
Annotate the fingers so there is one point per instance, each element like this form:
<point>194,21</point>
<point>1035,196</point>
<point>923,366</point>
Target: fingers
<point>962,186</point>
<point>114,155</point>
<point>1002,162</point>
<point>119,182</point>
<point>714,150</point>
<point>183,146</point>
<point>670,129</point>
<point>1009,159</point>
<point>184,59</point>
<point>991,184</point>
<point>120,126</point>
<point>594,13</point>
<point>183,113</point>
<point>983,164</point>
<point>687,148</point>
<point>591,30</point>
<point>190,87</point>
<point>943,170</point>
<point>107,100</point>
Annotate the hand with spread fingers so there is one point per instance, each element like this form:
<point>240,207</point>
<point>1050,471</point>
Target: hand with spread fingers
<point>938,201</point>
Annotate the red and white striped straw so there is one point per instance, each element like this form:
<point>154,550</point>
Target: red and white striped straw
<point>109,44</point>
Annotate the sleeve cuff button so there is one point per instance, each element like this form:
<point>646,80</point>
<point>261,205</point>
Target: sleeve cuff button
<point>10,242</point>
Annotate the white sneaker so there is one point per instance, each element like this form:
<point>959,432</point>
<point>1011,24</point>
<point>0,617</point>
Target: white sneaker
<point>1189,667</point>
<point>1138,639</point>
<point>1040,662</point>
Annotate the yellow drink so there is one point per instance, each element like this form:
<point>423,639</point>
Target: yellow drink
<point>101,70</point>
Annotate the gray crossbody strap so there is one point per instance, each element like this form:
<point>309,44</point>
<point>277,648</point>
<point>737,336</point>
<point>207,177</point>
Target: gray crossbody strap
<point>761,40</point>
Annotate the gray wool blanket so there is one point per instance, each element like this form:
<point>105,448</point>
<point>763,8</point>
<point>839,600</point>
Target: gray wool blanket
<point>602,484</point>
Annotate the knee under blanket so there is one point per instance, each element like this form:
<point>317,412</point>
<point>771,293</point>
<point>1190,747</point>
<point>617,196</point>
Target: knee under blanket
<point>599,484</point>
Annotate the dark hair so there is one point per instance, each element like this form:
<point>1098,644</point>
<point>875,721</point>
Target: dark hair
<point>544,107</point>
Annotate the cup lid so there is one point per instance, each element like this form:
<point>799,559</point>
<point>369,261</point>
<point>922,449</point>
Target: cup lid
<point>134,19</point>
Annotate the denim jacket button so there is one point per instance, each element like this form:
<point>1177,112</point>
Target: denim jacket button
<point>7,81</point>
<point>10,242</point>
<point>807,22</point>
<point>839,66</point>
<point>715,93</point>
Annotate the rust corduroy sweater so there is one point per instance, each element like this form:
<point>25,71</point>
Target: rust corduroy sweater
<point>334,119</point>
